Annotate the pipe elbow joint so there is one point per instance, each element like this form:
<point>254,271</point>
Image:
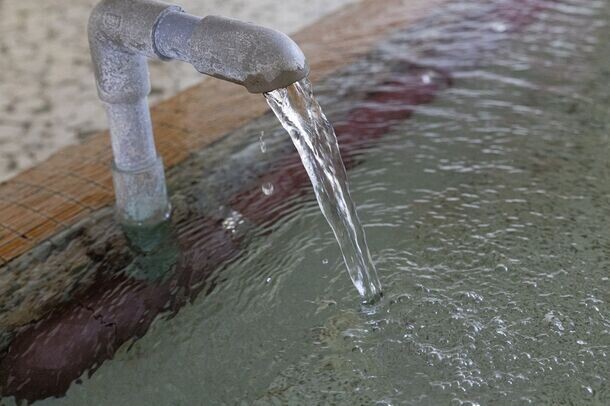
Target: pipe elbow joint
<point>121,38</point>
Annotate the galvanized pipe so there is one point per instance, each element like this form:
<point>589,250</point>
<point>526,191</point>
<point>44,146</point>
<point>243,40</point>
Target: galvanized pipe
<point>123,34</point>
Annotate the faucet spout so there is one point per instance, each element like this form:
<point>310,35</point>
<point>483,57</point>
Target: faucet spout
<point>123,34</point>
<point>259,58</point>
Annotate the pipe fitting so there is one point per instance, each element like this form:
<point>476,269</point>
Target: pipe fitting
<point>121,37</point>
<point>258,58</point>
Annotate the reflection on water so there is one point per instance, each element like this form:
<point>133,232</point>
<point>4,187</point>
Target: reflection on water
<point>488,208</point>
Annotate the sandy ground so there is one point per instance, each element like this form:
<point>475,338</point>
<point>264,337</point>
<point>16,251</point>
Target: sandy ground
<point>47,93</point>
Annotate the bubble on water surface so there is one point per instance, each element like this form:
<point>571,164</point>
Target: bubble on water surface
<point>232,221</point>
<point>499,27</point>
<point>267,188</point>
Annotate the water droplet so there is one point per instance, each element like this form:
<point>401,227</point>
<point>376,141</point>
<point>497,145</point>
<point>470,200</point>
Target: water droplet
<point>325,261</point>
<point>268,188</point>
<point>262,142</point>
<point>501,268</point>
<point>499,27</point>
<point>268,280</point>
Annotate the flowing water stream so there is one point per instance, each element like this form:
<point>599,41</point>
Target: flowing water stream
<point>315,140</point>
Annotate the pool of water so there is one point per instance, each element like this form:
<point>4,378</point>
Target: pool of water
<point>483,185</point>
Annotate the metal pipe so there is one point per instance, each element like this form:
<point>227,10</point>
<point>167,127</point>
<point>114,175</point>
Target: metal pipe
<point>123,34</point>
<point>261,59</point>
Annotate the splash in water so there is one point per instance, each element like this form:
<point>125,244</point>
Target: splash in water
<point>315,140</point>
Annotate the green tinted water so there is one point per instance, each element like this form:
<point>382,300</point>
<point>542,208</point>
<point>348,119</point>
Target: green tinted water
<point>488,213</point>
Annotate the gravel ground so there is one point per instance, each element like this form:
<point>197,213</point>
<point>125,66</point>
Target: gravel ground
<point>47,93</point>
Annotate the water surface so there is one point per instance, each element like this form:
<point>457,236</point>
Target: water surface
<point>488,209</point>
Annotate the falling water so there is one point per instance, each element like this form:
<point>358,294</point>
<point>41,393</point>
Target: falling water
<point>315,140</point>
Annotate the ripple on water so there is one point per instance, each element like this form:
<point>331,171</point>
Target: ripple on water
<point>487,213</point>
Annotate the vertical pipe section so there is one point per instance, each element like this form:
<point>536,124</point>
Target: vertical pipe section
<point>121,37</point>
<point>131,134</point>
<point>137,171</point>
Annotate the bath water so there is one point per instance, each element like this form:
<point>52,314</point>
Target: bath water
<point>487,207</point>
<point>316,142</point>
